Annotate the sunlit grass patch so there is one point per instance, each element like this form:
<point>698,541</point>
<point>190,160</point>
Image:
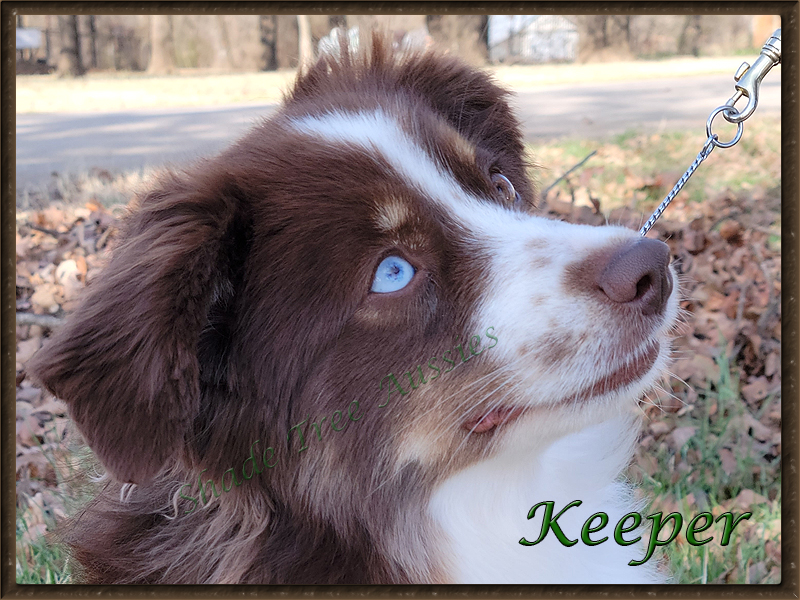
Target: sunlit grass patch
<point>42,504</point>
<point>98,186</point>
<point>636,169</point>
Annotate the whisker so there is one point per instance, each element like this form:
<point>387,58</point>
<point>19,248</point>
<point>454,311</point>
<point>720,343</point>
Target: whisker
<point>485,378</point>
<point>671,374</point>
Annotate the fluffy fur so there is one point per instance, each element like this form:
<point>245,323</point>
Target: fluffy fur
<point>238,304</point>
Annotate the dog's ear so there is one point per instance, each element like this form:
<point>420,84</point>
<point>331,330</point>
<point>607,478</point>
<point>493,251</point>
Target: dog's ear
<point>475,106</point>
<point>126,360</point>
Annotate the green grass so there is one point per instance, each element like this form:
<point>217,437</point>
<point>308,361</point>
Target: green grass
<point>45,562</point>
<point>705,564</point>
<point>747,51</point>
<point>578,149</point>
<point>41,558</point>
<point>628,134</point>
<point>701,484</point>
<point>636,169</point>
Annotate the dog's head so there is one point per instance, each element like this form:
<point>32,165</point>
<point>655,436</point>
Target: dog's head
<point>379,224</point>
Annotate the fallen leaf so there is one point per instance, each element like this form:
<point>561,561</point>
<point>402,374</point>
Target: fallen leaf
<point>53,406</point>
<point>747,499</point>
<point>27,348</point>
<point>29,393</point>
<point>729,462</point>
<point>680,436</point>
<point>24,409</point>
<point>659,428</point>
<point>748,424</point>
<point>756,391</point>
<point>756,572</point>
<point>731,231</point>
<point>700,369</point>
<point>25,431</point>
<point>44,299</point>
<point>68,275</point>
<point>772,364</point>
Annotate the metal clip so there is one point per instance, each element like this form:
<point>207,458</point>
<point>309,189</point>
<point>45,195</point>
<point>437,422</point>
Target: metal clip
<point>748,78</point>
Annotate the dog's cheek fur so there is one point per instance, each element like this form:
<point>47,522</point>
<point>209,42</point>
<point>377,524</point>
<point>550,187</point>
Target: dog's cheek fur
<point>386,489</point>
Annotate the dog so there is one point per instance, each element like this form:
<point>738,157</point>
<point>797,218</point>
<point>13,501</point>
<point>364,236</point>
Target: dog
<point>382,216</point>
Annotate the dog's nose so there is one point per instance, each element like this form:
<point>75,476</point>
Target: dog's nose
<point>638,276</point>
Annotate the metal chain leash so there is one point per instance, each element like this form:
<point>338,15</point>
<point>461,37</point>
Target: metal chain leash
<point>704,154</point>
<point>748,83</point>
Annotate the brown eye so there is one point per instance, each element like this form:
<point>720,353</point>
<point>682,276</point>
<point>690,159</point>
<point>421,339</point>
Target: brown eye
<point>504,186</point>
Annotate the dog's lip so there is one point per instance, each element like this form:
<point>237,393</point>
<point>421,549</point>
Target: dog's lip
<point>630,372</point>
<point>625,375</point>
<point>487,421</point>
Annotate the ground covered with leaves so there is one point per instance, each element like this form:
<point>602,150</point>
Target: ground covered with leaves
<point>712,435</point>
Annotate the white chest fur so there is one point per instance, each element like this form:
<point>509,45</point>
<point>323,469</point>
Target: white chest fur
<point>483,510</point>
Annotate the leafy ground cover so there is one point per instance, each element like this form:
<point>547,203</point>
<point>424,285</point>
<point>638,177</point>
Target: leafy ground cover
<point>712,434</point>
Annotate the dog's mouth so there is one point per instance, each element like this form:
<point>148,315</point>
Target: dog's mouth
<point>622,377</point>
<point>494,418</point>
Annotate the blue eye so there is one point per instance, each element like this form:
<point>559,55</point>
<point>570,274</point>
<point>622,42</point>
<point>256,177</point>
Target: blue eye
<point>393,274</point>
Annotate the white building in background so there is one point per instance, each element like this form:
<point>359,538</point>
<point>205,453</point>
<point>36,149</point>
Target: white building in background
<point>532,39</point>
<point>28,38</point>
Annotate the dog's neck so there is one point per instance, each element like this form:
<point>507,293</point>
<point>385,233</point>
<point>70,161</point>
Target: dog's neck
<point>483,511</point>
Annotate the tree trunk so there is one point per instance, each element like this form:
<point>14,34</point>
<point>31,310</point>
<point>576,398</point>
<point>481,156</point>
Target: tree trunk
<point>463,35</point>
<point>267,25</point>
<point>306,46</point>
<point>689,40</point>
<point>618,31</point>
<point>286,41</point>
<point>217,36</point>
<point>603,38</point>
<point>48,43</point>
<point>70,63</point>
<point>162,45</point>
<point>93,40</point>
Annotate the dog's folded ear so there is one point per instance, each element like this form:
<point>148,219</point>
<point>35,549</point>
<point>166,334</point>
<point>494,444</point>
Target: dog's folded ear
<point>126,360</point>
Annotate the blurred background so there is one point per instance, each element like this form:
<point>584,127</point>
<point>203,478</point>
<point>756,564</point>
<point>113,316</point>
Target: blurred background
<point>123,92</point>
<point>165,43</point>
<point>613,110</point>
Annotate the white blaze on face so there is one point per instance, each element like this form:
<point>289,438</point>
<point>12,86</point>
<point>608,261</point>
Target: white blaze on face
<point>525,299</point>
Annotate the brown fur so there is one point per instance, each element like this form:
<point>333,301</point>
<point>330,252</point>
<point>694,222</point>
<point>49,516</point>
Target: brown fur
<point>237,306</point>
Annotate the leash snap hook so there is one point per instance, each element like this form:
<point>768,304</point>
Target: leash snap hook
<point>748,79</point>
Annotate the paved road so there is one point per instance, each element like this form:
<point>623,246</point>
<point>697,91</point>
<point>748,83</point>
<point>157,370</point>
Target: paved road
<point>596,110</point>
<point>134,139</point>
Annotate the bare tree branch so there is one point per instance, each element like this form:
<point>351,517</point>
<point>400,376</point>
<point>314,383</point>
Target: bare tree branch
<point>46,321</point>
